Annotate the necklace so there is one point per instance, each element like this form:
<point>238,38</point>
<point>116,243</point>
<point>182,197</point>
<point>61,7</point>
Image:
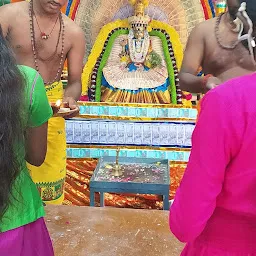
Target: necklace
<point>138,48</point>
<point>138,45</point>
<point>44,36</point>
<point>57,45</point>
<point>34,48</point>
<point>218,37</point>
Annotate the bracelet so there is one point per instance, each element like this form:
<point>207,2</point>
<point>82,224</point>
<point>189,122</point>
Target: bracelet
<point>205,79</point>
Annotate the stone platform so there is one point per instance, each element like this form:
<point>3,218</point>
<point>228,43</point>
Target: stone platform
<point>91,231</point>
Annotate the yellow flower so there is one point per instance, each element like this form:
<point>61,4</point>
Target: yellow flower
<point>148,64</point>
<point>187,103</point>
<point>124,59</point>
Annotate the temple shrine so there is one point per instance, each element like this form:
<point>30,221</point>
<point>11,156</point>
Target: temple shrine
<point>131,87</point>
<point>130,144</point>
<point>131,100</point>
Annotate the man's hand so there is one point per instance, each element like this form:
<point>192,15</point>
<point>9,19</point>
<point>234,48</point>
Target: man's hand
<point>212,82</point>
<point>69,102</point>
<point>55,108</point>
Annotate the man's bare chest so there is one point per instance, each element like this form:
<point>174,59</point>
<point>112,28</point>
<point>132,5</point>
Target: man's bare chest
<point>219,60</point>
<point>21,38</point>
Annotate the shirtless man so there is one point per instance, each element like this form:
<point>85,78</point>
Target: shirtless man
<point>43,38</point>
<point>213,45</point>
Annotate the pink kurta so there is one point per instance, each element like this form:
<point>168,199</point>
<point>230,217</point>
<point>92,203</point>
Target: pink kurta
<point>214,210</point>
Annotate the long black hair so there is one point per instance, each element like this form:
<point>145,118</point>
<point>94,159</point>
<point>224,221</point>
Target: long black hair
<point>11,132</point>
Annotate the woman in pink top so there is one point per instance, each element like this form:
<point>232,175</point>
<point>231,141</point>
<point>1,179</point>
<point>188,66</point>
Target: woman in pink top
<point>214,211</point>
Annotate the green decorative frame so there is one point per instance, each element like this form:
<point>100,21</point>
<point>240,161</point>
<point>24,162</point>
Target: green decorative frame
<point>108,51</point>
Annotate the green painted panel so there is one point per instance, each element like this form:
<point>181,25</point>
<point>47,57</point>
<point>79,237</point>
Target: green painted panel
<point>3,2</point>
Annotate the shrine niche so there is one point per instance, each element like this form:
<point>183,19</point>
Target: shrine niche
<point>137,64</point>
<point>136,57</point>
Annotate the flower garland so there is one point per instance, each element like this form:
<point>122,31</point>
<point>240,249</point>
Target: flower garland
<point>176,53</point>
<point>105,59</point>
<point>170,66</point>
<point>97,49</point>
<point>103,36</point>
<point>96,77</point>
<point>175,39</point>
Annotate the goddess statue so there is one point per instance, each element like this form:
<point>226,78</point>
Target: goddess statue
<point>137,64</point>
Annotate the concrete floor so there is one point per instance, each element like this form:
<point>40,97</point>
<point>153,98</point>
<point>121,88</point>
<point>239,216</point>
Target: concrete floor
<point>86,231</point>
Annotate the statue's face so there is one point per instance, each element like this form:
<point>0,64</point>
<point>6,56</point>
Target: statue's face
<point>139,32</point>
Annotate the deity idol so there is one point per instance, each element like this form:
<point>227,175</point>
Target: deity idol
<point>135,61</point>
<point>136,65</point>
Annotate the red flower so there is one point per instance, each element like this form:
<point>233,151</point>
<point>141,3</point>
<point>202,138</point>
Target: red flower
<point>84,98</point>
<point>187,96</point>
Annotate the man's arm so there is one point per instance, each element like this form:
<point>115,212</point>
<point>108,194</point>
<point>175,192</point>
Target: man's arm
<point>75,65</point>
<point>192,61</point>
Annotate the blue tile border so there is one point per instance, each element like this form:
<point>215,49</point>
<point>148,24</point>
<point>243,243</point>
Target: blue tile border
<point>177,156</point>
<point>139,112</point>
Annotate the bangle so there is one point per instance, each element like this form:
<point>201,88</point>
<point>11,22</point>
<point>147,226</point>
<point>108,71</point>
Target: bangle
<point>205,79</point>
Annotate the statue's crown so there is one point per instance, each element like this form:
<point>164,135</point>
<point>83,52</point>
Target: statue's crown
<point>139,19</point>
